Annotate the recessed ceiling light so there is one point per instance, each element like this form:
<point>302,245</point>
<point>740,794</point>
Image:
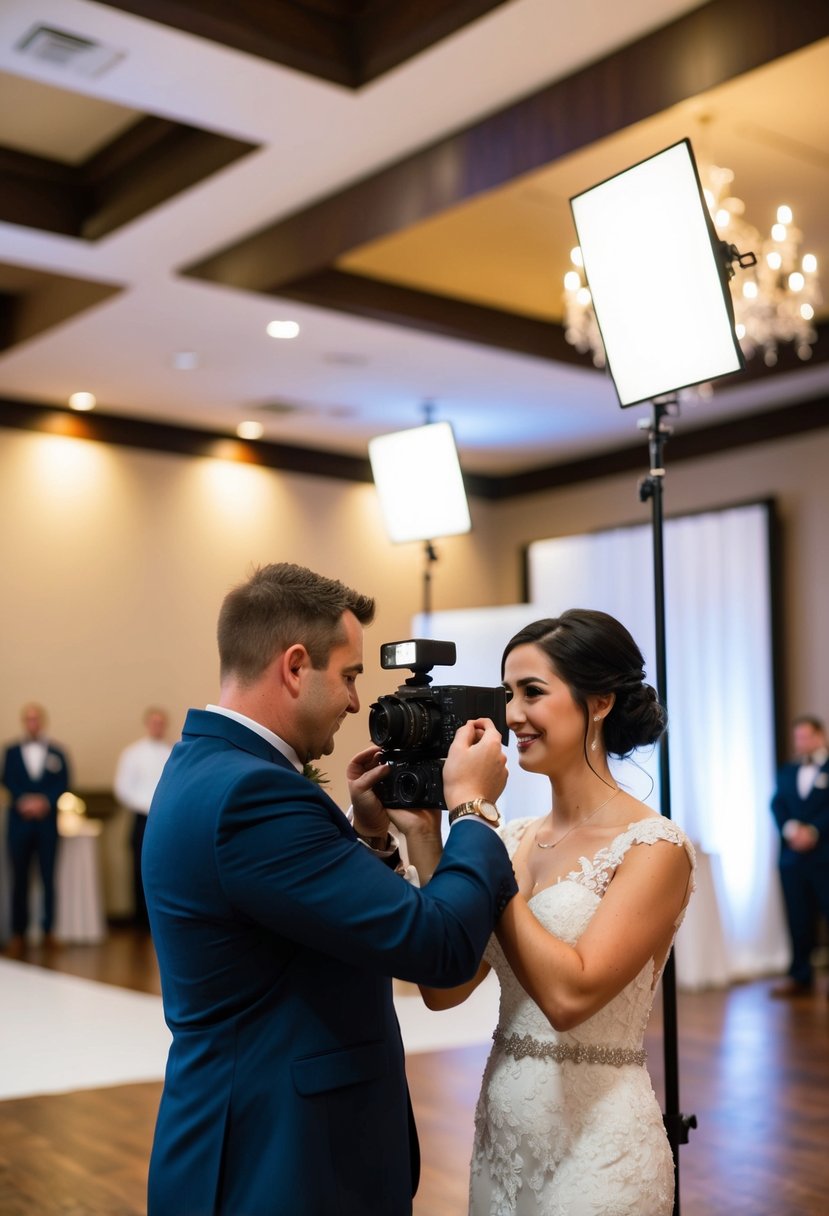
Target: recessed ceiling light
<point>250,430</point>
<point>185,360</point>
<point>82,401</point>
<point>283,329</point>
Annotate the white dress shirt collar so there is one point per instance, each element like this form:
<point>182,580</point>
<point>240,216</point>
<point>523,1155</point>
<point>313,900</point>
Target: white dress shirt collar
<point>281,746</point>
<point>34,753</point>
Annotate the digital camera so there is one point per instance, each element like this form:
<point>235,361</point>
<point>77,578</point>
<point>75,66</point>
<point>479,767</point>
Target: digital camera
<point>416,725</point>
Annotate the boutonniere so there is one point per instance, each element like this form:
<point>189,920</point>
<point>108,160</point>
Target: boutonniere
<point>314,774</point>
<point>53,763</point>
<point>821,781</point>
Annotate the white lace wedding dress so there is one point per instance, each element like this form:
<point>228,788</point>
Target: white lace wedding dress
<point>567,1123</point>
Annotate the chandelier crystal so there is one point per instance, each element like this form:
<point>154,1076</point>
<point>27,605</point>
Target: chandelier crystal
<point>774,302</point>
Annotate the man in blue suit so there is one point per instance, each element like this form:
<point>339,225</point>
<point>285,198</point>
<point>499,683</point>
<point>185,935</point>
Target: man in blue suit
<point>278,922</point>
<point>801,808</point>
<point>36,773</point>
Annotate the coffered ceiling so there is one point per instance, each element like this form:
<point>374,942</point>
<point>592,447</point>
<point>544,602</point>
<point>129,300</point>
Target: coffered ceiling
<point>396,178</point>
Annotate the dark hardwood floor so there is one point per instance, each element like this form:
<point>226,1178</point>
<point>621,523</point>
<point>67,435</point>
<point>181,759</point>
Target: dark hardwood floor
<point>754,1071</point>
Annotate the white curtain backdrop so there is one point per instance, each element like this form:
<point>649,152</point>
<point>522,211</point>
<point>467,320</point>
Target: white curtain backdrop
<point>720,704</point>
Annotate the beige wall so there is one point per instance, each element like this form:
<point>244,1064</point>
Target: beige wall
<point>115,562</point>
<point>795,472</point>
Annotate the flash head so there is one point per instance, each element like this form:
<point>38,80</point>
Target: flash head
<point>418,654</point>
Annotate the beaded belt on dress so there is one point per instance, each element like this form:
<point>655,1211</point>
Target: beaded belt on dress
<point>521,1045</point>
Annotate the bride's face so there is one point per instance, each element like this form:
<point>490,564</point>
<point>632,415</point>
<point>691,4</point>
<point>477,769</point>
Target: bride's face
<point>547,723</point>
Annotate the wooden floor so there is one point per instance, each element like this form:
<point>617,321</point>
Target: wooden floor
<point>754,1071</point>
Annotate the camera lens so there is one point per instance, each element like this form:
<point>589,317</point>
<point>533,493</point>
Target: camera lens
<point>397,725</point>
<point>411,788</point>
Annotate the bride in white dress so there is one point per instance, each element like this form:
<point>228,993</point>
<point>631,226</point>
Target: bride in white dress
<point>567,1123</point>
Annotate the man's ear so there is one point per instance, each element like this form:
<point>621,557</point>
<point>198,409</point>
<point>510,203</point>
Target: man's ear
<point>293,663</point>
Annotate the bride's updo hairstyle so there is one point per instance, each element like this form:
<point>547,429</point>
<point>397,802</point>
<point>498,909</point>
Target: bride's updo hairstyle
<point>595,655</point>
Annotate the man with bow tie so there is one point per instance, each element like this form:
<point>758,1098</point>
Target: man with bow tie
<point>35,772</point>
<point>801,808</point>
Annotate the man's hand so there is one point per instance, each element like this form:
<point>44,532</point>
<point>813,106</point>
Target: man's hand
<point>802,837</point>
<point>362,774</point>
<point>33,806</point>
<point>476,766</point>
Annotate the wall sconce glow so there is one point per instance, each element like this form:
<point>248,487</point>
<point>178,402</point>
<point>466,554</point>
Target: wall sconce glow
<point>82,401</point>
<point>283,329</point>
<point>250,430</point>
<point>419,483</point>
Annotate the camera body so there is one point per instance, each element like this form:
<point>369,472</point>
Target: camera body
<point>416,725</point>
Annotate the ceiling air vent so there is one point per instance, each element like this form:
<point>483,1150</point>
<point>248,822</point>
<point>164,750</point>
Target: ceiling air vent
<point>60,49</point>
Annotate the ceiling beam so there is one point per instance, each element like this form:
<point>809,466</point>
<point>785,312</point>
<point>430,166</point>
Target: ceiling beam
<point>151,436</point>
<point>33,301</point>
<point>150,162</point>
<point>735,433</point>
<point>763,427</point>
<point>699,51</point>
<point>39,193</point>
<point>362,296</point>
<point>347,42</point>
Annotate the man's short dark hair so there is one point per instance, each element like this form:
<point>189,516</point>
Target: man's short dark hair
<point>810,720</point>
<point>278,606</point>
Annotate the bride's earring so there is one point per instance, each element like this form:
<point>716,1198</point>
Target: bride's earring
<point>594,746</point>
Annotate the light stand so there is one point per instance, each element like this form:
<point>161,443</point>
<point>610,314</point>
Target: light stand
<point>677,331</point>
<point>430,555</point>
<point>420,489</point>
<point>677,1125</point>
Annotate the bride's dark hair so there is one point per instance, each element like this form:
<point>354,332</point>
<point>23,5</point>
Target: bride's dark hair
<point>594,654</point>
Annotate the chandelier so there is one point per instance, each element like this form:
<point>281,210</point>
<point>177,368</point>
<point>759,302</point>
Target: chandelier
<point>774,301</point>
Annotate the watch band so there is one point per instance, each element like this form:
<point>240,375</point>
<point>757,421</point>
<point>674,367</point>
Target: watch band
<point>480,807</point>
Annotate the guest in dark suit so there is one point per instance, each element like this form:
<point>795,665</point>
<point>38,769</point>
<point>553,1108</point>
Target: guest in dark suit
<point>36,773</point>
<point>801,808</point>
<point>278,922</point>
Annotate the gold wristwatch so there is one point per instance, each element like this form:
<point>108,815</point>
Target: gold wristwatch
<point>481,807</point>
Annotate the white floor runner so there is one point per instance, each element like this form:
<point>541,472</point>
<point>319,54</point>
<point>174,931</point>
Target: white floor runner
<point>60,1033</point>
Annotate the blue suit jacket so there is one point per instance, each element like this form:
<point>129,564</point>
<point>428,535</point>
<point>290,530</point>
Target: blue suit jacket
<point>53,782</point>
<point>276,933</point>
<point>787,804</point>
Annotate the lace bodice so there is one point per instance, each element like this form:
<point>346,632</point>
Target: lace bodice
<point>558,1136</point>
<point>565,909</point>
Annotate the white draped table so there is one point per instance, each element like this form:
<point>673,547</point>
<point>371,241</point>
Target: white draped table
<point>79,904</point>
<point>79,910</point>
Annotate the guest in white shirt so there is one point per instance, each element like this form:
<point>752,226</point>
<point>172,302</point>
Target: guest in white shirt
<point>138,772</point>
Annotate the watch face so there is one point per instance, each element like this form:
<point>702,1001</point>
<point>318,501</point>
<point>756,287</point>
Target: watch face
<point>487,810</point>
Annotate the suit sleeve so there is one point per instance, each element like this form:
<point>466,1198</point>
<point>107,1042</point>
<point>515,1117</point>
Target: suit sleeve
<point>285,861</point>
<point>819,808</point>
<point>780,804</point>
<point>65,777</point>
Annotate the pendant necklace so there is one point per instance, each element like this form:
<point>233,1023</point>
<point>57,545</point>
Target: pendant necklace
<point>579,823</point>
